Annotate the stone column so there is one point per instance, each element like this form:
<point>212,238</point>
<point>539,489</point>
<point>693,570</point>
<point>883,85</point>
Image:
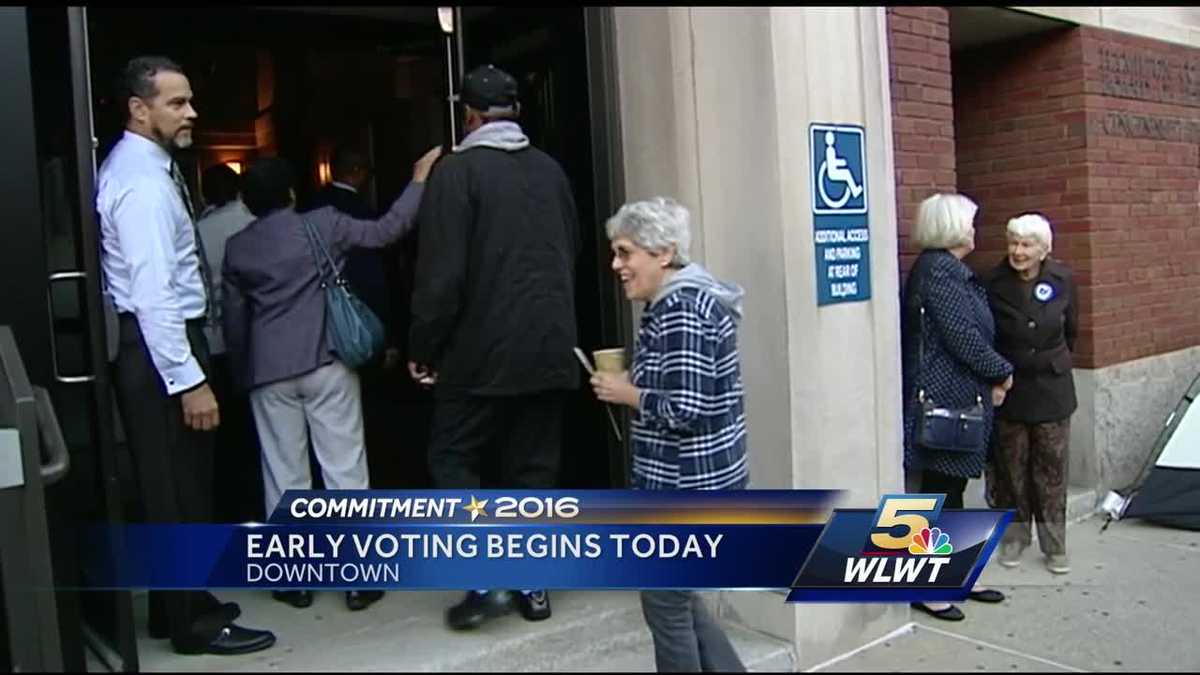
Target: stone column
<point>715,108</point>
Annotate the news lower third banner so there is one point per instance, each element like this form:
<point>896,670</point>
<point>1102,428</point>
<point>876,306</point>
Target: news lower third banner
<point>907,549</point>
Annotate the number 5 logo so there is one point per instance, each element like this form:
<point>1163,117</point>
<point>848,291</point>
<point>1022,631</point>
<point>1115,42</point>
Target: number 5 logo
<point>912,512</point>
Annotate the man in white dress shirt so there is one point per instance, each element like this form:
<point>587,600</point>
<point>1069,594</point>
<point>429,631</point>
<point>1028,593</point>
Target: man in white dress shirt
<point>156,278</point>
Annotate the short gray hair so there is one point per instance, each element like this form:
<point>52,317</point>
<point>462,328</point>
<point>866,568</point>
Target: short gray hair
<point>945,220</point>
<point>1032,226</point>
<point>655,225</point>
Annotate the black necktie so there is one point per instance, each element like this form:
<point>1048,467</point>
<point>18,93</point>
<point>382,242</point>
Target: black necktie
<point>210,310</point>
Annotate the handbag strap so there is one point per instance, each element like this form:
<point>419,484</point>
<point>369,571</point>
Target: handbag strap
<point>321,255</point>
<point>921,340</point>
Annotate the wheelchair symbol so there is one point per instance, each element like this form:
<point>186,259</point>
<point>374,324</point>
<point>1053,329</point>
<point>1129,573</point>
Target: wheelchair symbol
<point>834,170</point>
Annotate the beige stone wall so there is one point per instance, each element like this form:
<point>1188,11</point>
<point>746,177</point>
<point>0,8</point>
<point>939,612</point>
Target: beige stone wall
<point>1180,25</point>
<point>715,107</point>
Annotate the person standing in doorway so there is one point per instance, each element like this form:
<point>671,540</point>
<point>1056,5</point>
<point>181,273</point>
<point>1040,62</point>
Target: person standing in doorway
<point>368,271</point>
<point>493,312</point>
<point>157,278</point>
<point>300,391</point>
<point>365,271</point>
<point>239,481</point>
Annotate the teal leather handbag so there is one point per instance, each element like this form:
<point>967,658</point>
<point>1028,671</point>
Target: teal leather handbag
<point>355,333</point>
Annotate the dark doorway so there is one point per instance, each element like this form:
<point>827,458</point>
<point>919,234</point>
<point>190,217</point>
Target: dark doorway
<point>298,82</point>
<point>546,51</point>
<point>291,82</point>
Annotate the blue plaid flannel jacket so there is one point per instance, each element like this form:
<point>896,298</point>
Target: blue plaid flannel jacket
<point>689,432</point>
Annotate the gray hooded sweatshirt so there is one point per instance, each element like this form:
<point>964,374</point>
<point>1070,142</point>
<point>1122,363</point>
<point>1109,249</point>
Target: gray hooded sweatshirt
<point>693,275</point>
<point>503,135</point>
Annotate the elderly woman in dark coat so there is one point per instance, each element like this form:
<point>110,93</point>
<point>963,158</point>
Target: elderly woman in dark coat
<point>1033,300</point>
<point>948,355</point>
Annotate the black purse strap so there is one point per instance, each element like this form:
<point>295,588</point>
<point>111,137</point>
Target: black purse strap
<point>921,340</point>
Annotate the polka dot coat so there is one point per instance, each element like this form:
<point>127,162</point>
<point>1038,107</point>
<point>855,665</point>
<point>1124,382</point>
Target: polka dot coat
<point>959,363</point>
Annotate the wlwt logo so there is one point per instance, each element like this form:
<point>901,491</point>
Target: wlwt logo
<point>901,551</point>
<point>917,555</point>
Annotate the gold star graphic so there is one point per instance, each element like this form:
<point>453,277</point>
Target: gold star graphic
<point>476,508</point>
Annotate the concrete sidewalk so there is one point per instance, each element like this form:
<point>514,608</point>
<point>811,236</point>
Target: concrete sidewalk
<point>1131,602</point>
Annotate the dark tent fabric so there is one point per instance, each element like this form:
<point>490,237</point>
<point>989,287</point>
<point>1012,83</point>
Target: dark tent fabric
<point>1170,494</point>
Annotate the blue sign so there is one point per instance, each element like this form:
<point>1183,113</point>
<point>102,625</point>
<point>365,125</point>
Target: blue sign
<point>839,163</point>
<point>841,236</point>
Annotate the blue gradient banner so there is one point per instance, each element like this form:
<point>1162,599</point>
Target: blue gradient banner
<point>610,539</point>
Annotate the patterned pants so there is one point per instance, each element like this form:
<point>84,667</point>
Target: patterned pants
<point>1028,473</point>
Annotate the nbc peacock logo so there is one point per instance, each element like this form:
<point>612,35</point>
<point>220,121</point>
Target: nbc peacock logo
<point>931,542</point>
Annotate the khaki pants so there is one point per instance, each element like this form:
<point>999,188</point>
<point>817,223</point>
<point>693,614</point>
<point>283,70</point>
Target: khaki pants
<point>323,407</point>
<point>1028,473</point>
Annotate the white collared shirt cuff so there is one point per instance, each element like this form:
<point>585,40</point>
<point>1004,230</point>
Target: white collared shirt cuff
<point>182,377</point>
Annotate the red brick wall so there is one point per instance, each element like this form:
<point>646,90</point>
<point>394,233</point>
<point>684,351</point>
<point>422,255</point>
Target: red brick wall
<point>1143,101</point>
<point>922,111</point>
<point>1099,131</point>
<point>1022,146</point>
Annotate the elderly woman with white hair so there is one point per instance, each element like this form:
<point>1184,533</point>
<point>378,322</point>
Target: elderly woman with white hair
<point>1033,299</point>
<point>689,424</point>
<point>950,366</point>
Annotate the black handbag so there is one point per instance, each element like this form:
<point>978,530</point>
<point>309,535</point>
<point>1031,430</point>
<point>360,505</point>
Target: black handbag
<point>942,428</point>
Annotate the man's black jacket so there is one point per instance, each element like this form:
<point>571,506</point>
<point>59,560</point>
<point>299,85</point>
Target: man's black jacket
<point>494,299</point>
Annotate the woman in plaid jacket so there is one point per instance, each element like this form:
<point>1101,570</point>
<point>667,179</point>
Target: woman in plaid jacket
<point>689,429</point>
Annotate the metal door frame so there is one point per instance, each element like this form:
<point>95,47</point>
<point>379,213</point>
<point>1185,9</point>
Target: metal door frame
<point>122,656</point>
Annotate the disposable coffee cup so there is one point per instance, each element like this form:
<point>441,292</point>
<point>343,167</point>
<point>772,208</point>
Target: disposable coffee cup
<point>609,360</point>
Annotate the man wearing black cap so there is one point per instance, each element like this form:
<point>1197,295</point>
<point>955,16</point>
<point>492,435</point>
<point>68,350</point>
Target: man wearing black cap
<point>494,312</point>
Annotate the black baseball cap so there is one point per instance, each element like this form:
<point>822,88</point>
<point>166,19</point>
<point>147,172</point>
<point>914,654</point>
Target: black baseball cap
<point>489,89</point>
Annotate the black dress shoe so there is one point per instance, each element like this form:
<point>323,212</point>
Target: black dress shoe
<point>535,606</point>
<point>234,639</point>
<point>358,600</point>
<point>477,608</point>
<point>298,599</point>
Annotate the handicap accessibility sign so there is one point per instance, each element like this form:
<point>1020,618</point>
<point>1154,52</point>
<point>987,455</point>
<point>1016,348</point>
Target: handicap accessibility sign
<point>839,169</point>
<point>841,226</point>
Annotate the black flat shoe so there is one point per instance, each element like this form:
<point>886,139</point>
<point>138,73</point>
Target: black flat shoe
<point>360,600</point>
<point>476,608</point>
<point>951,613</point>
<point>990,595</point>
<point>297,599</point>
<point>535,606</point>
